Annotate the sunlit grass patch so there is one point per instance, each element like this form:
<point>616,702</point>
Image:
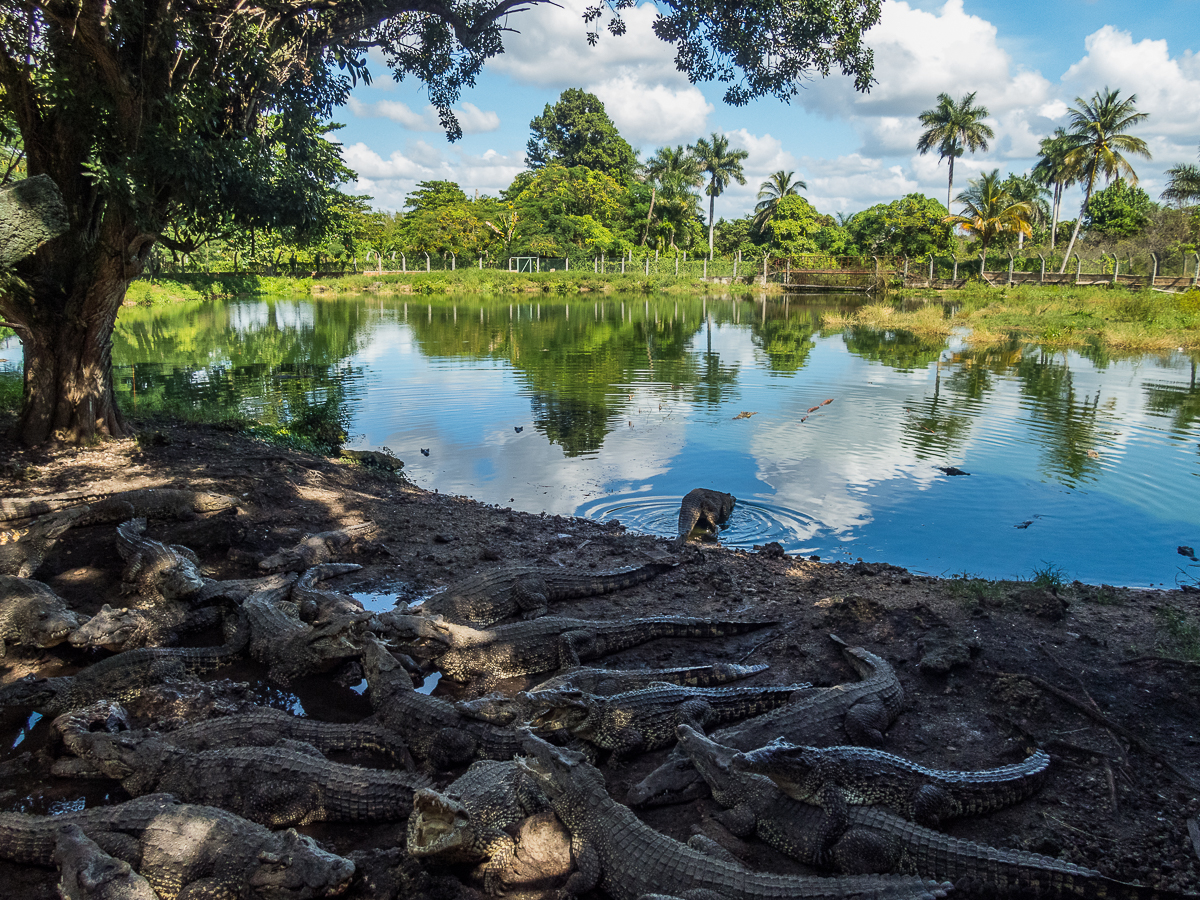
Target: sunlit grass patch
<point>1182,633</point>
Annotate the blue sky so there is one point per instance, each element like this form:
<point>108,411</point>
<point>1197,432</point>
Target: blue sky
<point>1027,61</point>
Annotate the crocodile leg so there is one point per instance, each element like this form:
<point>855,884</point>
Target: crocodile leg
<point>866,721</point>
<point>532,597</point>
<point>588,867</point>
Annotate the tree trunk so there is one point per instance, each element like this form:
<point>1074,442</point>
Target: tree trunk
<point>712,203</point>
<point>1087,196</point>
<point>1054,218</point>
<point>65,320</point>
<point>649,216</point>
<point>950,185</point>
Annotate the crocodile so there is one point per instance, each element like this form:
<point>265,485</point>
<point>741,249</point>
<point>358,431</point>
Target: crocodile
<point>318,606</point>
<point>159,571</point>
<point>613,848</point>
<point>859,711</point>
<point>542,645</point>
<point>643,720</point>
<point>702,506</point>
<point>88,873</point>
<point>120,677</point>
<point>490,597</point>
<point>437,734</point>
<point>833,777</point>
<point>471,820</point>
<point>117,506</point>
<point>188,852</point>
<point>261,726</point>
<point>32,615</point>
<point>23,550</point>
<point>287,784</point>
<point>290,647</point>
<point>877,840</point>
<point>314,549</point>
<point>503,709</point>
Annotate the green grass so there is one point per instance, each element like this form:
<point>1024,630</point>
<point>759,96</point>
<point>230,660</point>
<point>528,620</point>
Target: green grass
<point>973,591</point>
<point>1049,576</point>
<point>1183,633</point>
<point>1118,317</point>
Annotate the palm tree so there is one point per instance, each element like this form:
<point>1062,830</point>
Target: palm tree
<point>771,191</point>
<point>952,128</point>
<point>678,202</point>
<point>989,210</point>
<point>1100,125</point>
<point>674,164</point>
<point>722,165</point>
<point>1054,169</point>
<point>1027,189</point>
<point>1184,186</point>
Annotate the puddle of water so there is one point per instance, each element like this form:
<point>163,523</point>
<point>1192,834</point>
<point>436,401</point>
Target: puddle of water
<point>30,723</point>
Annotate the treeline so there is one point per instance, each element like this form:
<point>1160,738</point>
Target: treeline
<point>586,194</point>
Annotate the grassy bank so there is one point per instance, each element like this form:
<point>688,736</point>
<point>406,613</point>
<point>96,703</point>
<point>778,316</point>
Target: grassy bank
<point>1064,316</point>
<point>169,289</point>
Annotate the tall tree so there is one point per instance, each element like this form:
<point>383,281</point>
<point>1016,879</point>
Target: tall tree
<point>953,127</point>
<point>989,210</point>
<point>1100,124</point>
<point>1184,184</point>
<point>1054,168</point>
<point>721,164</point>
<point>781,184</point>
<point>211,113</point>
<point>1027,189</point>
<point>673,166</point>
<point>576,131</point>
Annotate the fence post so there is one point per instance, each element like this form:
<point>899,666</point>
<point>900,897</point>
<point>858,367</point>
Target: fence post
<point>622,263</point>
<point>676,263</point>
<point>1196,274</point>
<point>906,268</point>
<point>538,261</point>
<point>1011,262</point>
<point>954,277</point>
<point>566,264</point>
<point>1078,268</point>
<point>403,263</point>
<point>603,264</point>
<point>453,261</point>
<point>705,275</point>
<point>1042,277</point>
<point>982,265</point>
<point>647,265</point>
<point>427,269</point>
<point>765,255</point>
<point>1154,273</point>
<point>930,268</point>
<point>737,259</point>
<point>1116,269</point>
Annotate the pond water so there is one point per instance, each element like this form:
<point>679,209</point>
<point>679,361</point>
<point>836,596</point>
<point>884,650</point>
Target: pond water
<point>614,407</point>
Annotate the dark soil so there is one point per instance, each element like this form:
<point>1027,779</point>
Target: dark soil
<point>1099,677</point>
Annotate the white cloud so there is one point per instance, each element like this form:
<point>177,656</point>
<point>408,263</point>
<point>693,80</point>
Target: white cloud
<point>390,180</point>
<point>655,113</point>
<point>472,119</point>
<point>854,181</point>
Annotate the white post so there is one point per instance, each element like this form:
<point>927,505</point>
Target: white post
<point>737,259</point>
<point>1042,277</point>
<point>622,263</point>
<point>539,268</point>
<point>705,276</point>
<point>647,265</point>
<point>676,263</point>
<point>765,268</point>
<point>1154,256</point>
<point>1010,268</point>
<point>930,268</point>
<point>453,261</point>
<point>1078,268</point>
<point>1116,269</point>
<point>956,268</point>
<point>427,261</point>
<point>566,264</point>
<point>403,263</point>
<point>481,264</point>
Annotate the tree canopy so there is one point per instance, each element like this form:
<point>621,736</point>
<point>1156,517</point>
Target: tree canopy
<point>576,131</point>
<point>911,226</point>
<point>953,127</point>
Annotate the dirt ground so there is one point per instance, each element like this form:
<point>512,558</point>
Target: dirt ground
<point>1097,676</point>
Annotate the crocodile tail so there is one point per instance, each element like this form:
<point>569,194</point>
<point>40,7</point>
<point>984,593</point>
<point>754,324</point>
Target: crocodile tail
<point>689,516</point>
<point>237,632</point>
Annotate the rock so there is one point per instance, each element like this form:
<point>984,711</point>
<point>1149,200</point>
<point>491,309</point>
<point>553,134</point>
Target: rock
<point>373,459</point>
<point>1042,602</point>
<point>543,855</point>
<point>771,550</point>
<point>942,650</point>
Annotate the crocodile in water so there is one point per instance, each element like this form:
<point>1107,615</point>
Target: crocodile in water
<point>188,851</point>
<point>832,777</point>
<point>288,784</point>
<point>643,720</point>
<point>490,597</point>
<point>546,644</point>
<point>859,711</point>
<point>615,849</point>
<point>702,506</point>
<point>318,606</point>
<point>32,615</point>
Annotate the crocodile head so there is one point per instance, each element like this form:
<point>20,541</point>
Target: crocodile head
<point>440,826</point>
<point>563,709</point>
<point>292,866</point>
<point>557,770</point>
<point>794,768</point>
<point>40,620</point>
<point>110,628</point>
<point>124,755</point>
<point>711,759</point>
<point>496,708</point>
<point>179,580</point>
<point>675,781</point>
<point>207,501</point>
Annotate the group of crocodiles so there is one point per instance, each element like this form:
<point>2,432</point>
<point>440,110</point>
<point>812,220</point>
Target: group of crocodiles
<point>215,801</point>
